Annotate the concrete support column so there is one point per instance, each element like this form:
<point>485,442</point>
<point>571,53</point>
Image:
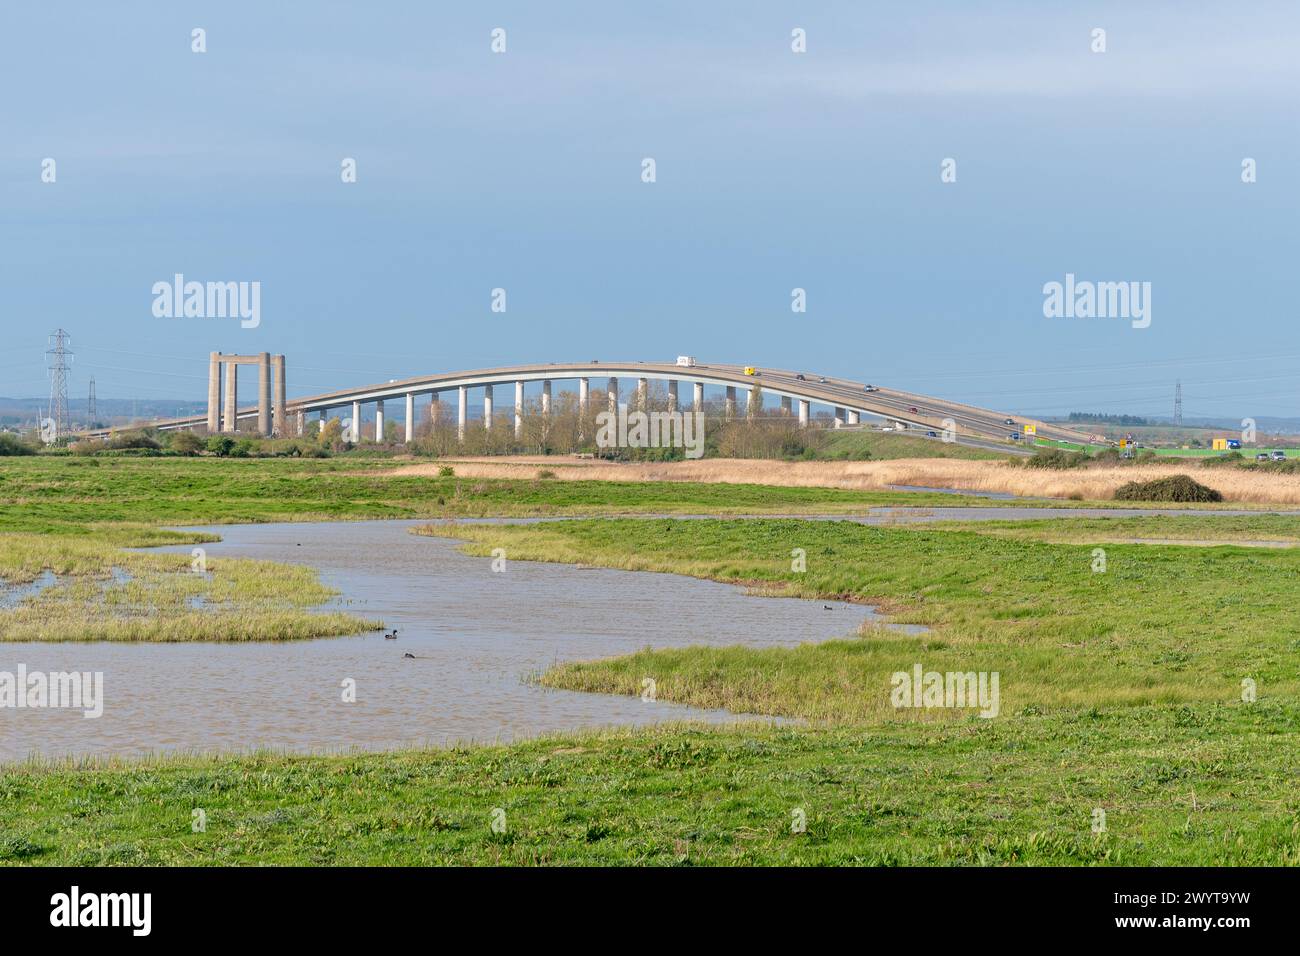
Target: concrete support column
<point>214,392</point>
<point>785,404</point>
<point>435,410</point>
<point>264,393</point>
<point>854,418</point>
<point>379,420</point>
<point>301,426</point>
<point>612,393</point>
<point>519,410</point>
<point>279,405</point>
<point>320,424</point>
<point>584,403</point>
<point>753,402</point>
<point>839,417</point>
<point>731,402</point>
<point>461,414</point>
<point>487,408</point>
<point>698,402</point>
<point>410,417</point>
<point>672,395</point>
<point>546,398</point>
<point>356,422</point>
<point>803,413</point>
<point>642,394</point>
<point>232,398</point>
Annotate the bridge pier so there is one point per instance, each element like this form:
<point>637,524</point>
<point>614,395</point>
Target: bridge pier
<point>730,408</point>
<point>546,397</point>
<point>612,394</point>
<point>379,421</point>
<point>803,412</point>
<point>584,406</point>
<point>698,401</point>
<point>461,414</point>
<point>753,401</point>
<point>785,404</point>
<point>410,417</point>
<point>320,422</point>
<point>672,394</point>
<point>643,394</point>
<point>854,418</point>
<point>264,393</point>
<point>839,417</point>
<point>232,399</point>
<point>355,430</point>
<point>519,410</point>
<point>279,407</point>
<point>487,408</point>
<point>214,393</point>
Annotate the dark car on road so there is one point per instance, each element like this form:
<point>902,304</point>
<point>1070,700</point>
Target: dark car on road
<point>800,377</point>
<point>1262,456</point>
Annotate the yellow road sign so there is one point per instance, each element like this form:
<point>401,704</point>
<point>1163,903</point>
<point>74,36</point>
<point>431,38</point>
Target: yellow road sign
<point>1031,429</point>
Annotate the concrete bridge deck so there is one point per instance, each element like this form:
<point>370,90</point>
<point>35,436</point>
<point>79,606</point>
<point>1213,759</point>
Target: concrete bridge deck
<point>848,398</point>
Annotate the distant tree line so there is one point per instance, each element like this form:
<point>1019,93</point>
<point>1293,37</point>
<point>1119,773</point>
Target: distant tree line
<point>1098,418</point>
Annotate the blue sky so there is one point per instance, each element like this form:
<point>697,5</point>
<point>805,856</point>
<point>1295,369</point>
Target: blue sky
<point>775,170</point>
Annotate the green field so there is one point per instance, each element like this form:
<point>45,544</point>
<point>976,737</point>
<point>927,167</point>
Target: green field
<point>852,445</point>
<point>1120,691</point>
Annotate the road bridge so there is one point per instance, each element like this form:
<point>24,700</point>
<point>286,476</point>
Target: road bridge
<point>797,391</point>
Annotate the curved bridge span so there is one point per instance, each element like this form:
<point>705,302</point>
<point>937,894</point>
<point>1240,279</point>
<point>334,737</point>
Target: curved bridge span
<point>797,391</point>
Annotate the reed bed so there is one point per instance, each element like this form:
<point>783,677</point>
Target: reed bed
<point>1094,483</point>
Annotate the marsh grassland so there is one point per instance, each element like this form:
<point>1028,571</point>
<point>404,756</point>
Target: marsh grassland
<point>1121,688</point>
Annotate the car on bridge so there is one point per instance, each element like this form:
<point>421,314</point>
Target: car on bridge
<point>870,388</point>
<point>1014,436</point>
<point>913,409</point>
<point>1009,421</point>
<point>931,434</point>
<point>800,377</point>
<point>750,370</point>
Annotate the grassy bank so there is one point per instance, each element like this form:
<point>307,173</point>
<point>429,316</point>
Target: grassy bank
<point>1196,785</point>
<point>99,592</point>
<point>1161,625</point>
<point>76,495</point>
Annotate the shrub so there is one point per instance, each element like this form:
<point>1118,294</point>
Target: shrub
<point>220,444</point>
<point>1173,488</point>
<point>446,471</point>
<point>186,443</point>
<point>11,444</point>
<point>1055,458</point>
<point>546,473</point>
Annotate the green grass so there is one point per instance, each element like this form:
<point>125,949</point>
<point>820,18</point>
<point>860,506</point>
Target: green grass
<point>880,446</point>
<point>1119,691</point>
<point>73,495</point>
<point>1161,625</point>
<point>104,593</point>
<point>1225,529</point>
<point>1206,785</point>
